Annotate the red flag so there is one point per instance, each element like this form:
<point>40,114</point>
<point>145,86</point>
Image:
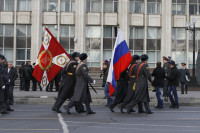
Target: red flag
<point>51,60</point>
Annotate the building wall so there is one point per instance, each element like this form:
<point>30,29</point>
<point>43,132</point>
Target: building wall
<point>153,27</point>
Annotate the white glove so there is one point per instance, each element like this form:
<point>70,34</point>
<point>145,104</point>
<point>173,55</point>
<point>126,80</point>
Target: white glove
<point>9,80</point>
<point>3,87</point>
<point>94,82</point>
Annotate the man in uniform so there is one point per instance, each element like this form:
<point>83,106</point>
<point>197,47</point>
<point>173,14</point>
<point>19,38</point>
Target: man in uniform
<point>141,86</point>
<point>130,92</point>
<point>184,78</point>
<point>167,69</point>
<point>81,91</point>
<point>68,82</point>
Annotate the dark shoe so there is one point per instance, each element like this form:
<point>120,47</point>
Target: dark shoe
<point>129,111</point>
<point>132,110</point>
<point>67,109</point>
<point>111,108</point>
<point>10,110</point>
<point>90,112</point>
<point>140,112</point>
<point>172,106</point>
<point>121,109</point>
<point>149,112</point>
<point>176,107</point>
<point>58,111</point>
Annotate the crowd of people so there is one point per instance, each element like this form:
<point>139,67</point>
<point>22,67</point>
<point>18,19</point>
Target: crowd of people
<point>72,83</point>
<point>132,87</point>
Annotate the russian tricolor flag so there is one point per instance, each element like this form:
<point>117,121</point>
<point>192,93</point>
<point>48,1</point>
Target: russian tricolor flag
<point>121,59</point>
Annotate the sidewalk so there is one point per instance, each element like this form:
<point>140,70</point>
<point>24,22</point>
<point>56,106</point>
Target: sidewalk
<point>43,97</point>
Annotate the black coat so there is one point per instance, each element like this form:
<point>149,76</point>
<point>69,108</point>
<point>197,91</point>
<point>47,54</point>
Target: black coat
<point>130,91</point>
<point>68,82</point>
<point>105,75</point>
<point>122,87</point>
<point>21,71</point>
<point>182,74</point>
<point>166,68</point>
<point>27,72</point>
<point>3,82</point>
<point>12,75</point>
<point>173,77</point>
<point>141,88</point>
<point>159,76</point>
<point>81,91</point>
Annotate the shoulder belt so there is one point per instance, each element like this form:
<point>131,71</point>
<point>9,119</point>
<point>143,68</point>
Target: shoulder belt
<point>132,68</point>
<point>139,70</point>
<point>79,65</point>
<point>69,64</point>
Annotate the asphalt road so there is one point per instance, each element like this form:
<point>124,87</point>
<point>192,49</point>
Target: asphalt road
<point>40,119</point>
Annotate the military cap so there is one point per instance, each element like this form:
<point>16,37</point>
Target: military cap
<point>135,57</point>
<point>75,54</point>
<point>183,64</point>
<point>172,62</point>
<point>144,57</point>
<point>83,56</point>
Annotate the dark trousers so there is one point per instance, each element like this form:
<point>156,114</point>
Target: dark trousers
<point>27,85</point>
<point>184,87</point>
<point>131,105</point>
<point>22,85</point>
<point>165,88</point>
<point>57,83</point>
<point>174,100</point>
<point>11,98</point>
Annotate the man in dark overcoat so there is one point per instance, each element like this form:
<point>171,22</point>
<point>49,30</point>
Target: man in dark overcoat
<point>81,91</point>
<point>68,82</point>
<point>167,69</point>
<point>141,86</point>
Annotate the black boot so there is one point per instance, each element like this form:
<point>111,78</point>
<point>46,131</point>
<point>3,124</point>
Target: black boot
<point>140,108</point>
<point>57,105</point>
<point>147,108</point>
<point>121,107</point>
<point>66,107</point>
<point>89,110</point>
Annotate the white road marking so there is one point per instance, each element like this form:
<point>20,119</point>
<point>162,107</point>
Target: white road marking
<point>64,125</point>
<point>123,124</point>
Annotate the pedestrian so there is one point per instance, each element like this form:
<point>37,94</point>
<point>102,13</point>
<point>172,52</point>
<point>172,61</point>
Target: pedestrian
<point>184,78</point>
<point>81,91</point>
<point>12,76</point>
<point>105,84</point>
<point>167,69</point>
<point>121,89</point>
<point>34,81</point>
<point>173,78</point>
<point>130,92</point>
<point>141,86</point>
<point>27,75</point>
<point>68,82</point>
<point>158,83</point>
<point>22,84</point>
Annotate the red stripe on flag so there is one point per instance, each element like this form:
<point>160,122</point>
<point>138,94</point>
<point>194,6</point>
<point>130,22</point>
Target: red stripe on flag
<point>38,73</point>
<point>111,89</point>
<point>53,71</point>
<point>122,65</point>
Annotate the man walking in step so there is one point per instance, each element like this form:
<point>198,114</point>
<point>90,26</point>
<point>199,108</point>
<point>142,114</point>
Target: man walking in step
<point>68,83</point>
<point>12,76</point>
<point>141,86</point>
<point>81,91</point>
<point>130,91</point>
<point>184,78</point>
<point>167,69</point>
<point>173,78</point>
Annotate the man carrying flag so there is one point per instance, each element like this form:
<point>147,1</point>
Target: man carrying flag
<point>121,59</point>
<point>51,60</point>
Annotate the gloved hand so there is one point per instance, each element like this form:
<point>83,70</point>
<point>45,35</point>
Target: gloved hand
<point>94,82</point>
<point>3,87</point>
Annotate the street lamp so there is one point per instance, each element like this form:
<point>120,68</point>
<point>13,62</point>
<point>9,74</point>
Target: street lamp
<point>191,27</point>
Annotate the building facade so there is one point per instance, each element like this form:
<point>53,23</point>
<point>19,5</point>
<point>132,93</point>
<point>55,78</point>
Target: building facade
<point>153,27</point>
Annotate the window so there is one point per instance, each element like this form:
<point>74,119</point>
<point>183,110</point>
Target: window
<point>153,6</point>
<point>153,45</point>
<point>67,35</point>
<point>194,7</point>
<point>109,37</point>
<point>23,44</point>
<point>67,5</point>
<point>50,5</point>
<point>51,29</point>
<point>179,45</point>
<point>179,7</point>
<point>136,40</point>
<point>6,5</point>
<point>23,5</point>
<point>136,6</point>
<point>110,6</point>
<point>93,44</point>
<point>93,6</point>
<point>7,41</point>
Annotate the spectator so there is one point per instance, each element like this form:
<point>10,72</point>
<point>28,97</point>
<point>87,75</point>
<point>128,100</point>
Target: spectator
<point>27,75</point>
<point>173,81</point>
<point>21,77</point>
<point>12,76</point>
<point>184,78</point>
<point>158,83</point>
